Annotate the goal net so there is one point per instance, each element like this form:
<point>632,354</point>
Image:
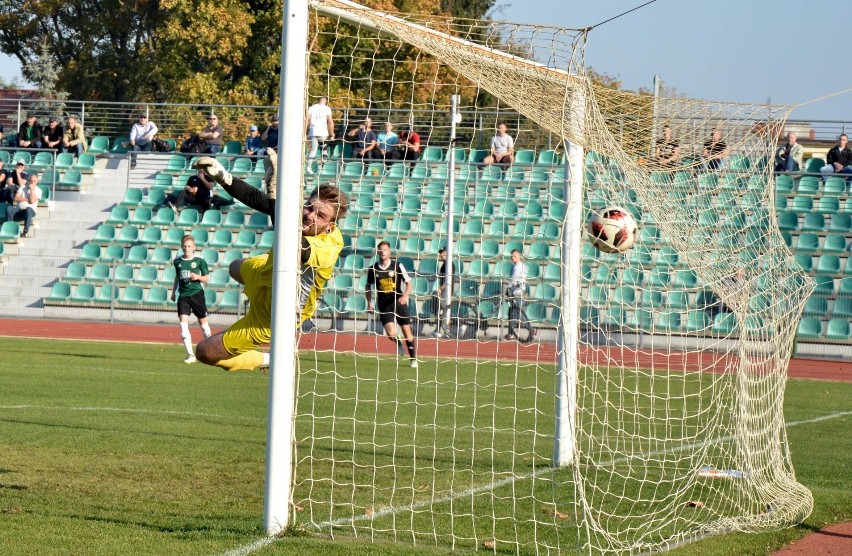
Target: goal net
<point>676,423</point>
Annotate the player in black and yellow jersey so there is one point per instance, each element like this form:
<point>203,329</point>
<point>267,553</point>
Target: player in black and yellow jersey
<point>236,348</point>
<point>393,286</point>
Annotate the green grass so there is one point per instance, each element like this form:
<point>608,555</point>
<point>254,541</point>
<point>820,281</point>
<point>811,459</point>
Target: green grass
<point>122,449</point>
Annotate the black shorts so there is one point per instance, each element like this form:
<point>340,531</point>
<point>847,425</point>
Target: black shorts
<point>194,304</point>
<point>390,311</point>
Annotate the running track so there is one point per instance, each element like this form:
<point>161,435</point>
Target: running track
<point>819,369</point>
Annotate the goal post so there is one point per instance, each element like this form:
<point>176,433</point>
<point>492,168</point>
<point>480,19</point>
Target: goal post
<point>647,412</point>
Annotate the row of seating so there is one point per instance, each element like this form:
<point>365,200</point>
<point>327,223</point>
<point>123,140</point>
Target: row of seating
<point>146,276</point>
<point>129,235</point>
<point>46,160</point>
<point>133,296</point>
<point>161,255</point>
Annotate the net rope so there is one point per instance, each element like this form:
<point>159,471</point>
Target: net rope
<point>685,338</point>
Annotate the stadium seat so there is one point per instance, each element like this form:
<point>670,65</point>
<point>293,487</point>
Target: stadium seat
<point>75,272</point>
<point>659,277</point>
<point>834,243</point>
<point>845,287</point>
<point>839,329</point>
<point>232,147</point>
<point>824,284</point>
<point>99,145</point>
<point>83,294</point>
<point>808,242</point>
<point>107,294</point>
<point>26,156</point>
<point>788,220</point>
<point>137,255</point>
<point>805,261</point>
<point>841,223</point>
<point>539,250</point>
<point>132,197</point>
<point>162,256</point>
<point>167,276</point>
<point>828,205</point>
<point>842,308</point>
<point>809,185</point>
<point>164,218</point>
<point>85,163</point>
<point>118,216</point>
<point>156,296</point>
<point>141,216</point>
<point>60,292</point>
<point>834,186</point>
<point>131,296</point>
<point>105,234</point>
<point>120,145</point>
<point>802,203</point>
<point>42,160</point>
<point>813,165</point>
<point>828,264</point>
<point>813,222</point>
<point>188,217</point>
<point>72,179</point>
<point>91,251</point>
<point>697,321</point>
<point>497,229</point>
<point>810,328</point>
<point>201,237</point>
<point>816,306</point>
<point>152,235</point>
<point>724,323</point>
<point>242,167</point>
<point>147,275</point>
<point>477,269</point>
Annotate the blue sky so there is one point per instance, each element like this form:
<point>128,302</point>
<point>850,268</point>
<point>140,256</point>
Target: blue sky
<point>788,51</point>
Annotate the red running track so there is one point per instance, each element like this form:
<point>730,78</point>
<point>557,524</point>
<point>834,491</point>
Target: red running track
<point>818,369</point>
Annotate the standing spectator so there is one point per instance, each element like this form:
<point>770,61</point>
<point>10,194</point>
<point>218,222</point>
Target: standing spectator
<point>212,136</point>
<point>52,135</point>
<point>408,147</point>
<point>502,148</point>
<point>839,159</point>
<point>667,152</point>
<point>142,133</point>
<point>516,291</point>
<point>365,143</point>
<point>270,134</point>
<point>74,139</point>
<point>320,129</point>
<point>191,274</point>
<point>789,157</point>
<point>715,151</point>
<point>29,134</point>
<point>387,140</point>
<point>254,144</point>
<point>26,203</point>
<point>393,286</point>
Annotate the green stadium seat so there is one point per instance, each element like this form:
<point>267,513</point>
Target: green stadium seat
<point>669,321</point>
<point>131,296</point>
<point>120,145</point>
<point>845,287</point>
<point>211,298</point>
<point>539,251</point>
<point>188,217</point>
<point>221,239</point>
<point>784,184</point>
<point>210,256</point>
<point>828,205</point>
<point>813,165</point>
<point>112,252</point>
<point>652,298</point>
<point>834,186</point>
<point>677,299</point>
<point>132,198</point>
<point>72,179</point>
<point>548,158</point>
<point>167,277</point>
<point>724,323</point>
<point>212,219</point>
<point>141,216</point>
<point>697,321</point>
<point>99,145</point>
<point>816,306</point>
<point>400,226</point>
<point>83,294</point>
<point>233,147</point>
<point>477,269</point>
<point>355,306</point>
<point>75,273</point>
<point>26,156</point>
<point>118,216</point>
<point>258,222</point>
<point>151,235</point>
<point>828,264</point>
<point>640,319</point>
<point>805,261</point>
<point>810,328</point>
<point>842,308</point>
<point>42,161</point>
<point>242,167</point>
<point>824,284</point>
<point>834,243</point>
<point>107,294</point>
<point>552,273</point>
<point>147,275</point>
<point>813,222</point>
<point>808,242</point>
<point>91,251</point>
<point>411,246</point>
<point>624,296</point>
<point>85,163</point>
<point>802,203</point>
<point>137,255</point>
<point>476,156</point>
<point>847,269</point>
<point>788,220</point>
<point>157,296</point>
<point>556,211</point>
<point>841,223</point>
<point>104,235</point>
<point>201,237</point>
<point>839,329</point>
<point>524,156</point>
<point>234,220</point>
<point>809,185</point>
<point>660,277</point>
<point>60,292</point>
<point>497,229</point>
<point>432,154</point>
<point>164,218</point>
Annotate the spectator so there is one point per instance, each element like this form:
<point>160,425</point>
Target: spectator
<point>270,134</point>
<point>516,291</point>
<point>715,151</point>
<point>6,193</point>
<point>2,130</point>
<point>52,135</point>
<point>18,177</point>
<point>387,141</point>
<point>26,203</point>
<point>408,147</point>
<point>789,157</point>
<point>365,143</point>
<point>198,191</point>
<point>393,286</point>
<point>191,274</point>
<point>839,159</point>
<point>320,129</point>
<point>502,148</point>
<point>667,152</point>
<point>74,139</point>
<point>212,136</point>
<point>142,133</point>
<point>29,134</point>
<point>254,144</point>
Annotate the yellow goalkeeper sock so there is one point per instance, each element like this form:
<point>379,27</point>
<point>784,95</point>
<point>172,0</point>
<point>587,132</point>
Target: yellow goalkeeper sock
<point>242,362</point>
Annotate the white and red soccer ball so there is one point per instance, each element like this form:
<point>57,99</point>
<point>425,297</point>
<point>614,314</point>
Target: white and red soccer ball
<point>613,229</point>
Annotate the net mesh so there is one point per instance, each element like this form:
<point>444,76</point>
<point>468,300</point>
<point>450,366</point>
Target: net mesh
<point>684,339</point>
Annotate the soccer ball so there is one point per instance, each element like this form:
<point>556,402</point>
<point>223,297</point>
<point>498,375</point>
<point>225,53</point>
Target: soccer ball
<point>613,229</point>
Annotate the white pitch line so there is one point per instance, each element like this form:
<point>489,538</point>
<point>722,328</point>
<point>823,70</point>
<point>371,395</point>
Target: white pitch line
<point>135,410</point>
<point>265,541</point>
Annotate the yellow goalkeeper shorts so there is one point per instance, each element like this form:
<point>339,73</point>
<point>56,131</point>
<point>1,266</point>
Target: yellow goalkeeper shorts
<point>254,329</point>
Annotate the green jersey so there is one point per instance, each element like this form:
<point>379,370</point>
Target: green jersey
<point>183,268</point>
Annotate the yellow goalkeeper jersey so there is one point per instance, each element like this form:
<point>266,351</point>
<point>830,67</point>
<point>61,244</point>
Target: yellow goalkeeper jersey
<point>325,250</point>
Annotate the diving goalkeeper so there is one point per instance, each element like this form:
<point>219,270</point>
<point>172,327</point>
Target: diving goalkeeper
<point>235,349</point>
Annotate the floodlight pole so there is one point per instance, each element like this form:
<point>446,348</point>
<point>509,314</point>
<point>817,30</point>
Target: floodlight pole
<point>286,271</point>
<point>568,334</point>
<point>455,117</point>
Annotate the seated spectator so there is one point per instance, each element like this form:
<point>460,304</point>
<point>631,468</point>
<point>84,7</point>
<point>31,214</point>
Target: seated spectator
<point>17,177</point>
<point>29,134</point>
<point>365,144</point>
<point>74,139</point>
<point>387,141</point>
<point>26,204</point>
<point>197,191</point>
<point>1,134</point>
<point>52,135</point>
<point>6,193</point>
<point>839,159</point>
<point>254,144</point>
<point>715,151</point>
<point>789,157</point>
<point>667,152</point>
<point>270,134</point>
<point>408,147</point>
<point>212,136</point>
<point>142,133</point>
<point>502,148</point>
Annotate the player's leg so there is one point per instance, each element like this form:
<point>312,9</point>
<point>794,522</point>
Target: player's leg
<point>205,328</point>
<point>386,315</point>
<point>186,337</point>
<point>234,349</point>
<point>513,319</point>
<point>403,319</point>
<point>234,269</point>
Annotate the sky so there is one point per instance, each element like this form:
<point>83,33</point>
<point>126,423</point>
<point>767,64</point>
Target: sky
<point>729,50</point>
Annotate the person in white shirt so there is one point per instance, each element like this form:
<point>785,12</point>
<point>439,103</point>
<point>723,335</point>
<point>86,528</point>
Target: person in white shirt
<point>387,140</point>
<point>515,292</point>
<point>25,204</point>
<point>142,133</point>
<point>320,129</point>
<point>502,148</point>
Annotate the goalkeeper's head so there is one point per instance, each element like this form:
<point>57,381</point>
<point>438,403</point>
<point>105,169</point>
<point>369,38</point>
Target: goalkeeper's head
<point>326,205</point>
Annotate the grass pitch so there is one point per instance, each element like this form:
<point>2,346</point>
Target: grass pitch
<point>122,449</point>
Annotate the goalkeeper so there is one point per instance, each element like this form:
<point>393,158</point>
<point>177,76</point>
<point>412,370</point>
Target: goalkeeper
<point>235,349</point>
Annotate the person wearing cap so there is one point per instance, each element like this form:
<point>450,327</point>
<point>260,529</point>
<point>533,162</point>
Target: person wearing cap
<point>270,134</point>
<point>17,177</point>
<point>212,135</point>
<point>52,135</point>
<point>142,133</point>
<point>25,204</point>
<point>254,144</point>
<point>29,134</point>
<point>320,129</point>
<point>74,139</point>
